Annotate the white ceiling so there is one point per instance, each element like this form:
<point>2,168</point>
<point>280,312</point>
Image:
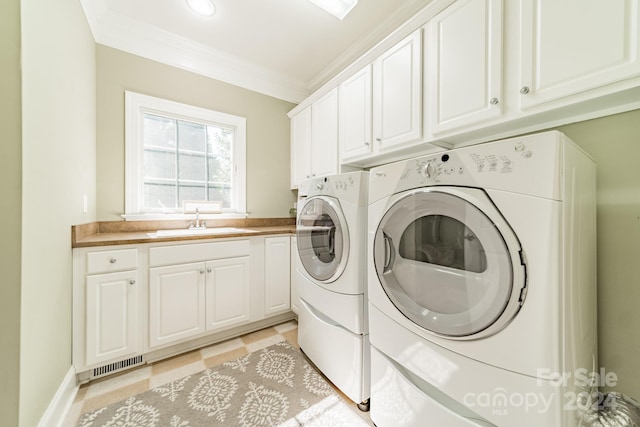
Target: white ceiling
<point>283,48</point>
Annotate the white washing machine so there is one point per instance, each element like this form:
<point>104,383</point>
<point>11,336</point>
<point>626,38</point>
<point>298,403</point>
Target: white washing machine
<point>482,285</point>
<point>332,321</point>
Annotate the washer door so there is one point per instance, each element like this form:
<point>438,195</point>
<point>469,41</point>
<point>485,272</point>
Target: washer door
<point>323,238</point>
<point>449,267</point>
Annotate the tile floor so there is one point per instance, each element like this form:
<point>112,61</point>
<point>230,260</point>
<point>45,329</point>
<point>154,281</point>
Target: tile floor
<point>111,389</point>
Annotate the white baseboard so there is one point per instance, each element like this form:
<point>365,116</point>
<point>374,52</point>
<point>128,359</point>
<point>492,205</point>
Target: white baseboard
<point>61,402</point>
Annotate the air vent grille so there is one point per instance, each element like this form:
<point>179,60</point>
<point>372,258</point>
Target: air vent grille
<point>116,366</point>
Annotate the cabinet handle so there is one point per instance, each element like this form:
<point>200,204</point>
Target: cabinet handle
<point>366,143</point>
<point>202,271</point>
<point>209,270</point>
<point>132,282</point>
<point>524,90</point>
<point>493,101</point>
<point>112,260</point>
<point>379,139</point>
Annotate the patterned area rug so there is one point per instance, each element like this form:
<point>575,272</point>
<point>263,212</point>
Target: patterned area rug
<point>271,387</point>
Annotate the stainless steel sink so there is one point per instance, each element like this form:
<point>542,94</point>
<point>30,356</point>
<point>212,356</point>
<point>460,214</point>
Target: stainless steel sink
<point>198,231</point>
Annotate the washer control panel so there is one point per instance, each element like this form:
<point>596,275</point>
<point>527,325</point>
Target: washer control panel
<point>348,186</point>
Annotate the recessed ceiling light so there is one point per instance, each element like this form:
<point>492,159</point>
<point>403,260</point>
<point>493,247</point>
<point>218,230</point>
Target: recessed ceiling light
<point>202,7</point>
<point>338,8</point>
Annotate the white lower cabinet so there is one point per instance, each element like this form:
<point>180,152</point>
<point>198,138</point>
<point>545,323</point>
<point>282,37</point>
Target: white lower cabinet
<point>277,277</point>
<point>176,303</point>
<point>111,316</point>
<point>295,295</point>
<point>150,300</point>
<point>228,293</point>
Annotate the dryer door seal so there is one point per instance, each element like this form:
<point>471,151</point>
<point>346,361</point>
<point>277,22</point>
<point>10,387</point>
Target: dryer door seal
<point>323,238</point>
<point>448,266</point>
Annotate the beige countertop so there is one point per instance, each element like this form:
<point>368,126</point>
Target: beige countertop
<point>134,232</point>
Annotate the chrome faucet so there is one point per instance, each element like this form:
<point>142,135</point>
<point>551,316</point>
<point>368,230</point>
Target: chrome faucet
<point>198,224</point>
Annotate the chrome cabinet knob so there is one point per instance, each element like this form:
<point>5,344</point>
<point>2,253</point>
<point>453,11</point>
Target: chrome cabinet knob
<point>524,90</point>
<point>132,282</point>
<point>493,101</point>
<point>112,260</point>
<point>202,271</point>
<point>209,270</point>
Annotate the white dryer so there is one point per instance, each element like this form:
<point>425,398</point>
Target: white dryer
<point>482,285</point>
<point>332,320</point>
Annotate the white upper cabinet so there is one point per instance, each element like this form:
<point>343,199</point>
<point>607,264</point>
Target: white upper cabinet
<point>463,65</point>
<point>355,115</point>
<point>301,146</point>
<point>486,69</point>
<point>572,46</point>
<point>314,139</point>
<point>324,135</point>
<point>397,95</point>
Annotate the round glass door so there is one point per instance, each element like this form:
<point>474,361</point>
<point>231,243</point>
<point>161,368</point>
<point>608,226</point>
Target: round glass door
<point>445,264</point>
<point>323,243</point>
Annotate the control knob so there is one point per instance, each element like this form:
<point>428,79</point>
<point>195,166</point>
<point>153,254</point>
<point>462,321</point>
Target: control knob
<point>428,170</point>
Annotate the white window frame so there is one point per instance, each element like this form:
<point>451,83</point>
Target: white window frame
<point>136,105</point>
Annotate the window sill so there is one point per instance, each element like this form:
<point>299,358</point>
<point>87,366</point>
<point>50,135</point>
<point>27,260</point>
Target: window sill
<point>181,216</point>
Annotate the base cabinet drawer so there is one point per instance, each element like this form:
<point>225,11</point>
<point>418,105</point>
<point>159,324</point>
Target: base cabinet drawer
<point>111,261</point>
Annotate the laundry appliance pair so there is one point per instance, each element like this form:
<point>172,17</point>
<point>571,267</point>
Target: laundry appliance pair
<point>480,282</point>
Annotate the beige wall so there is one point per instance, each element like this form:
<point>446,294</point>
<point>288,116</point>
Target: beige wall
<point>58,168</point>
<point>268,178</point>
<point>614,143</point>
<point>10,210</point>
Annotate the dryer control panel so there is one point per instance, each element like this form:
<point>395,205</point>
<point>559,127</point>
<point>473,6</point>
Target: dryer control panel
<point>442,165</point>
<point>528,165</point>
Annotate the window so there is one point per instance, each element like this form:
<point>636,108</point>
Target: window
<point>179,157</point>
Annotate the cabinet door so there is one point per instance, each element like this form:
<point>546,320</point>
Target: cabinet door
<point>111,310</point>
<point>464,64</point>
<point>227,292</point>
<point>295,296</point>
<point>176,303</point>
<point>300,147</point>
<point>277,279</point>
<point>397,94</point>
<point>324,135</point>
<point>572,46</point>
<point>354,96</point>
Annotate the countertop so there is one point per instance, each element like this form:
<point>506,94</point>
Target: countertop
<point>133,232</point>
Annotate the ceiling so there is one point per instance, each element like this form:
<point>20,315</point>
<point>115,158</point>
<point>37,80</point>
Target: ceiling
<point>283,48</point>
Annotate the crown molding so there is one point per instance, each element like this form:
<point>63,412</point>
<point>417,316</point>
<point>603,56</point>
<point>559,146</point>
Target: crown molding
<point>120,32</point>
